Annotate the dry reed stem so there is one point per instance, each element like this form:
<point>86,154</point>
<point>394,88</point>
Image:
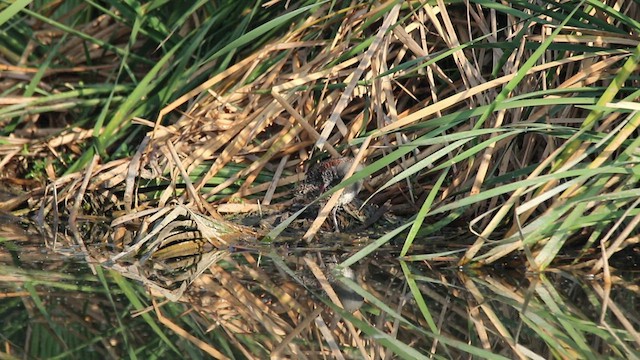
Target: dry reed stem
<point>619,314</point>
<point>73,215</point>
<point>186,335</point>
<point>326,286</point>
<point>288,340</point>
<point>351,84</point>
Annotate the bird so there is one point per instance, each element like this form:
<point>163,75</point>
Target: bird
<point>327,174</point>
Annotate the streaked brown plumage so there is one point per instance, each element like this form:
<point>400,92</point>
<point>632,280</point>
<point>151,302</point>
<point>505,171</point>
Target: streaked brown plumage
<point>327,174</point>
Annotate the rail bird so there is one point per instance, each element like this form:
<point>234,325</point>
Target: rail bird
<point>327,174</point>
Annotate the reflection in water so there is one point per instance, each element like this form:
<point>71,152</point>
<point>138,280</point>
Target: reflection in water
<point>260,301</point>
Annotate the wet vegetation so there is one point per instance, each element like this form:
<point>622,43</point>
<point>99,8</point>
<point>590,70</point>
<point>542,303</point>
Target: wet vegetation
<point>151,156</point>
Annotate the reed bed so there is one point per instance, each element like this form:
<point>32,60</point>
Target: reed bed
<point>514,124</point>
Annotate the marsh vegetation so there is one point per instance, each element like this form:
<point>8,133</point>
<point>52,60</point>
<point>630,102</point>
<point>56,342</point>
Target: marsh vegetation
<point>151,153</point>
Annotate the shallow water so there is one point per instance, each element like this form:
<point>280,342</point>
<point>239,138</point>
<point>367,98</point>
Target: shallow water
<point>281,302</point>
